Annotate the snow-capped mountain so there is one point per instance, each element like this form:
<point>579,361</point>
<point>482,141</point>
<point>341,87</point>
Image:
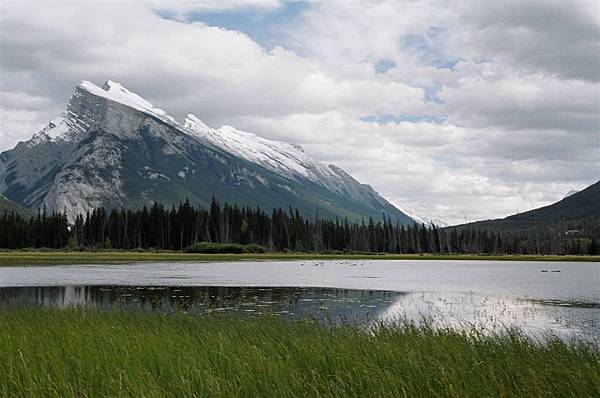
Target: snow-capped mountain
<point>429,222</point>
<point>113,148</point>
<point>288,160</point>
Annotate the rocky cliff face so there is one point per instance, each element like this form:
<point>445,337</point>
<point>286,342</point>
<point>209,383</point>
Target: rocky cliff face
<point>112,148</point>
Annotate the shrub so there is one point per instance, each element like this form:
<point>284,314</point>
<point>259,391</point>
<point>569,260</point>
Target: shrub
<point>224,248</point>
<point>254,248</point>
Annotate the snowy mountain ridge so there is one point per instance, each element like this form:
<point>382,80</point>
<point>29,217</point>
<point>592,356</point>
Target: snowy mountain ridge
<point>281,157</point>
<point>111,147</point>
<point>116,92</point>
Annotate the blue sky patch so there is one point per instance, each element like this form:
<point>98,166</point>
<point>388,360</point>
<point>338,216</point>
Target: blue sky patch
<point>384,65</point>
<point>428,49</point>
<point>260,24</point>
<point>432,93</point>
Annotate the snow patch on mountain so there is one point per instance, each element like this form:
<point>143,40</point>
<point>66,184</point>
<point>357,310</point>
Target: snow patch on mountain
<point>286,159</point>
<point>116,92</point>
<point>65,127</point>
<point>57,127</point>
<point>429,222</point>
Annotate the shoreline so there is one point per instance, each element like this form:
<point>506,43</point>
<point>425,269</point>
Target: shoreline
<point>60,257</point>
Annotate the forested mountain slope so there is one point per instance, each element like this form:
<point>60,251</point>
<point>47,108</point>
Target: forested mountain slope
<point>580,207</point>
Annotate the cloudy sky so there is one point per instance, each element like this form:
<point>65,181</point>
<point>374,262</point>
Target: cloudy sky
<point>456,110</point>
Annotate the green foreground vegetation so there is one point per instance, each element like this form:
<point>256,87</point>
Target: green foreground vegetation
<point>64,257</point>
<point>80,353</point>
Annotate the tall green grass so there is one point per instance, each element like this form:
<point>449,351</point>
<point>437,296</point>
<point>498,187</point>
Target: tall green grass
<point>96,354</point>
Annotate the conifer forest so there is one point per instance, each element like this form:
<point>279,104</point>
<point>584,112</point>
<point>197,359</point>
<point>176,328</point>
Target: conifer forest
<point>179,227</point>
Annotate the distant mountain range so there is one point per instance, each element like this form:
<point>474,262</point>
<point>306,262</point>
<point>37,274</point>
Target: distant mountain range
<point>584,204</point>
<point>112,148</point>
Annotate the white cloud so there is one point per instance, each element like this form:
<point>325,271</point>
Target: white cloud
<point>519,92</point>
<point>185,6</point>
<point>555,36</point>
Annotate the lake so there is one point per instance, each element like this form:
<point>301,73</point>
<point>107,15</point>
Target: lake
<point>562,298</point>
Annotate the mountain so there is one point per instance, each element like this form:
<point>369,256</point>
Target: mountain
<point>429,222</point>
<point>578,206</point>
<point>12,207</point>
<point>112,148</point>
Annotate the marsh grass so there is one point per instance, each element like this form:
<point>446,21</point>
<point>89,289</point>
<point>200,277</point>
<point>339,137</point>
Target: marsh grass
<point>88,353</point>
<point>61,257</point>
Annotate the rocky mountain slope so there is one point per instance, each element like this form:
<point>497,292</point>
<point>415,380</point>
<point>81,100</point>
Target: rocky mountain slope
<point>113,148</point>
<point>12,207</point>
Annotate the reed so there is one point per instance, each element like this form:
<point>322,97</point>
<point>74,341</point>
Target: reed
<point>86,353</point>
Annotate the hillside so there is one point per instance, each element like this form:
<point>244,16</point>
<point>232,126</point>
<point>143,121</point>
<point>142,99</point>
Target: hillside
<point>580,207</point>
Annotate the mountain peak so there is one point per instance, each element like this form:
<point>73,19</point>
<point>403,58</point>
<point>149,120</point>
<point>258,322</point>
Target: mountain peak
<point>116,92</point>
<point>112,85</point>
<point>111,147</point>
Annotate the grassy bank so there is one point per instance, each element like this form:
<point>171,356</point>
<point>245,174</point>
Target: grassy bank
<point>71,353</point>
<point>58,257</point>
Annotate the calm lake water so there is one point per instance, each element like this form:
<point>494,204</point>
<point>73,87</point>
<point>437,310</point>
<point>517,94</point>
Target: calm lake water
<point>562,298</point>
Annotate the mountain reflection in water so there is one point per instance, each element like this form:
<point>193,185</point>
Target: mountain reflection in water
<point>459,310</point>
<point>321,303</point>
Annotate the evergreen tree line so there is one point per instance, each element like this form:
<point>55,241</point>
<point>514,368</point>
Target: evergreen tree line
<point>43,230</point>
<point>176,228</point>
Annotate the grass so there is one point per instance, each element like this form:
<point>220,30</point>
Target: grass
<point>58,257</point>
<point>78,353</point>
